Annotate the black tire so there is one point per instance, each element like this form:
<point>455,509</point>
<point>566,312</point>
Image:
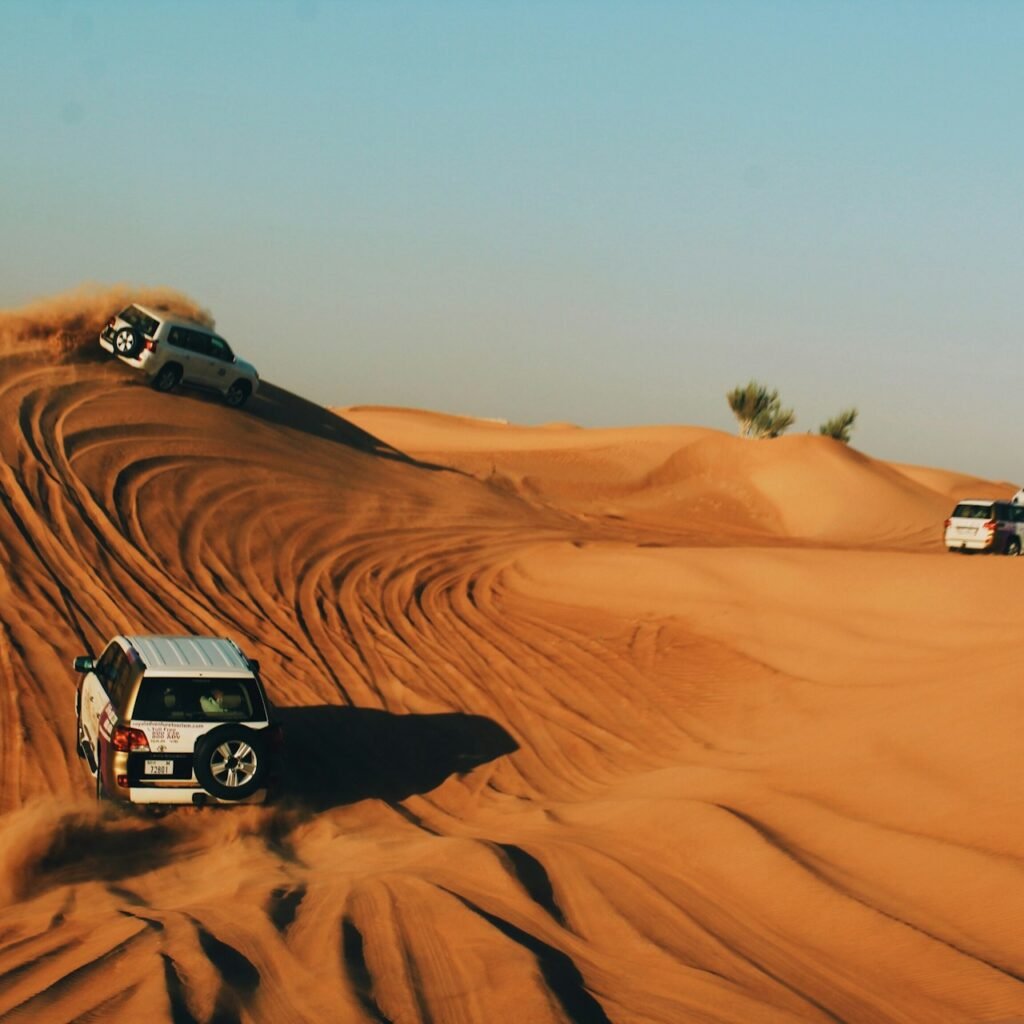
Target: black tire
<point>231,762</point>
<point>238,394</point>
<point>168,377</point>
<point>79,749</point>
<point>128,342</point>
<point>1013,546</point>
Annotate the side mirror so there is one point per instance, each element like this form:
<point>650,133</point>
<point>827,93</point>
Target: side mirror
<point>84,663</point>
<point>254,665</point>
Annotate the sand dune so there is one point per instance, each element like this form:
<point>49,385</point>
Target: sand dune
<point>649,725</point>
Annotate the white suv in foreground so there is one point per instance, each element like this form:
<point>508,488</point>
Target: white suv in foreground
<point>174,720</point>
<point>171,350</point>
<point>993,526</point>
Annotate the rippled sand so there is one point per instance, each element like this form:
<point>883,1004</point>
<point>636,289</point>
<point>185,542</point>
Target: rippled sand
<point>648,725</point>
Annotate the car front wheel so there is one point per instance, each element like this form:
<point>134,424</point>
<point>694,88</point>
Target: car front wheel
<point>1013,546</point>
<point>238,394</point>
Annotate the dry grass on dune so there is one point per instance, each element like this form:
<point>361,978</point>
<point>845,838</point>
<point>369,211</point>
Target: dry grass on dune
<point>651,726</point>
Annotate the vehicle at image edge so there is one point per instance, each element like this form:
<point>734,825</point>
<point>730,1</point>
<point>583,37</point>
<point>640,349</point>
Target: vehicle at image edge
<point>175,720</point>
<point>993,526</point>
<point>171,350</point>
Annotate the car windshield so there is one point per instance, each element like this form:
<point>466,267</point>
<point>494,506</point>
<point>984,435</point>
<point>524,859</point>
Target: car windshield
<point>138,319</point>
<point>972,512</point>
<point>198,700</point>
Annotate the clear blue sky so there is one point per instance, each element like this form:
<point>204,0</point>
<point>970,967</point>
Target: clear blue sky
<point>608,213</point>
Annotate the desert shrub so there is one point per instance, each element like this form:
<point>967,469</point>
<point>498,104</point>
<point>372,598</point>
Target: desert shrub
<point>759,411</point>
<point>840,427</point>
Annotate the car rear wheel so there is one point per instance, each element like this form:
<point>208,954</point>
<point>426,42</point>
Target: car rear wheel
<point>231,762</point>
<point>168,377</point>
<point>1013,546</point>
<point>127,342</point>
<point>238,394</point>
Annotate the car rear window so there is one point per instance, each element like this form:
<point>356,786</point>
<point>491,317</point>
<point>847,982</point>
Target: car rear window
<point>138,319</point>
<point>198,700</point>
<point>972,512</point>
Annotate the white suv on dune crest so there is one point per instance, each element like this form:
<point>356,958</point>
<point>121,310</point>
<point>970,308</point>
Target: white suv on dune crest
<point>171,350</point>
<point>174,720</point>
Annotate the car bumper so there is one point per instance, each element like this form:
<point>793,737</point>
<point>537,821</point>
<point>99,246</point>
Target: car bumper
<point>139,362</point>
<point>185,795</point>
<point>122,783</point>
<point>964,544</point>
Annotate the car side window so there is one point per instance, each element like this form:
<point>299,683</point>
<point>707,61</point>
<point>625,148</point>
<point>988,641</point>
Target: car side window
<point>219,349</point>
<point>105,666</point>
<point>121,679</point>
<point>200,342</point>
<point>177,337</point>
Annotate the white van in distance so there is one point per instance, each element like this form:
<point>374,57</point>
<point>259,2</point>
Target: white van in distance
<point>993,526</point>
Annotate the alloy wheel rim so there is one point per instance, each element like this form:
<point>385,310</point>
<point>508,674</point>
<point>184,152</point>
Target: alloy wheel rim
<point>233,763</point>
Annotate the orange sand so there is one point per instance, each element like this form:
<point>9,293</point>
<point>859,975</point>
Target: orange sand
<point>649,725</point>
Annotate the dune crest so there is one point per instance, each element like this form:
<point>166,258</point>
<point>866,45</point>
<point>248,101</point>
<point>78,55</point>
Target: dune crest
<point>646,725</point>
<point>730,489</point>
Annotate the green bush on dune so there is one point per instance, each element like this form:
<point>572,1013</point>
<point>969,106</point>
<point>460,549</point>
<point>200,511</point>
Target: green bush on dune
<point>839,427</point>
<point>760,414</point>
<point>759,411</point>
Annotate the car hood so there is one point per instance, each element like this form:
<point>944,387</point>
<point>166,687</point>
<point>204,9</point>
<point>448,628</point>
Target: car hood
<point>246,368</point>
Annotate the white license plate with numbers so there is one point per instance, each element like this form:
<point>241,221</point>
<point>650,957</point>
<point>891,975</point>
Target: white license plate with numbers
<point>159,767</point>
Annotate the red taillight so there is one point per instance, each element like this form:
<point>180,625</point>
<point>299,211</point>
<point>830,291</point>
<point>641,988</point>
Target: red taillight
<point>150,344</point>
<point>123,738</point>
<point>948,523</point>
<point>110,322</point>
<point>990,525</point>
<point>122,780</point>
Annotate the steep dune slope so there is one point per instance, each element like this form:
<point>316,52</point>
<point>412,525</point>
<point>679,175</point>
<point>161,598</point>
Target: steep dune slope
<point>581,728</point>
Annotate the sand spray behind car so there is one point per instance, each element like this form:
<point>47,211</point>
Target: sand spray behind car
<point>52,841</point>
<point>71,321</point>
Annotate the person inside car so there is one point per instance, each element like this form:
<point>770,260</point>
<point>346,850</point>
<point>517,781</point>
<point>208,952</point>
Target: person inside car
<point>213,702</point>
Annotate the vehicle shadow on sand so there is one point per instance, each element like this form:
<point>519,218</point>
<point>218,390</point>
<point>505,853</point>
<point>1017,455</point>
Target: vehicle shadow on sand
<point>339,755</point>
<point>276,405</point>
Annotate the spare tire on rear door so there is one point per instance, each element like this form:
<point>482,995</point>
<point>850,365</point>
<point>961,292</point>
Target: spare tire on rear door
<point>128,342</point>
<point>231,762</point>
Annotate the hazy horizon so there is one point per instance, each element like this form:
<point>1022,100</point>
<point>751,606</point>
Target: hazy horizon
<point>609,214</point>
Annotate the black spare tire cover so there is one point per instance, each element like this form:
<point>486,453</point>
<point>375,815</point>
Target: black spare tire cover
<point>128,342</point>
<point>231,761</point>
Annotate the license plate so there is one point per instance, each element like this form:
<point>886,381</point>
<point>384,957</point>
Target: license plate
<point>966,529</point>
<point>159,768</point>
